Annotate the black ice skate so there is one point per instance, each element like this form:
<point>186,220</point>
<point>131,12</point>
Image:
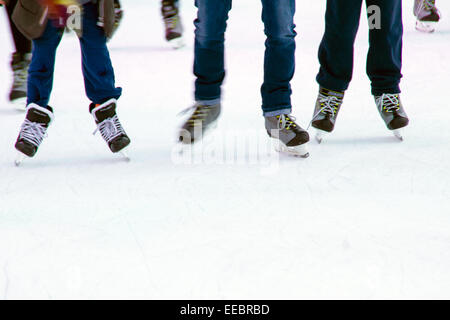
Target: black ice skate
<point>33,131</point>
<point>427,15</point>
<point>172,22</point>
<point>19,66</point>
<point>203,118</point>
<point>108,124</point>
<point>291,138</point>
<point>391,110</point>
<point>326,111</point>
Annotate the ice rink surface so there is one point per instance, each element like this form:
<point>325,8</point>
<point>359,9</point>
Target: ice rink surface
<point>366,216</point>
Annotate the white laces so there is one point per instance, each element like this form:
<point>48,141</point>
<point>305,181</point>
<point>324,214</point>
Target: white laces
<point>286,122</point>
<point>388,102</point>
<point>110,128</point>
<point>33,132</point>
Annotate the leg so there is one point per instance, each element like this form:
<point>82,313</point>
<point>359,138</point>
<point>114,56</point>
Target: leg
<point>336,49</point>
<point>384,60</point>
<point>279,60</point>
<point>98,72</point>
<point>209,66</point>
<point>22,44</point>
<point>40,72</point>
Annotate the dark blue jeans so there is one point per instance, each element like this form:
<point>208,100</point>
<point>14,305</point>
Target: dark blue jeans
<point>279,61</point>
<point>384,60</point>
<point>96,64</point>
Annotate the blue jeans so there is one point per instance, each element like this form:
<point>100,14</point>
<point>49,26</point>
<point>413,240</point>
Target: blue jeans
<point>384,60</point>
<point>279,61</point>
<point>97,69</point>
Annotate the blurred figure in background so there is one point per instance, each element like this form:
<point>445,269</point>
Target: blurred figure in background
<point>171,18</point>
<point>20,60</point>
<point>427,15</point>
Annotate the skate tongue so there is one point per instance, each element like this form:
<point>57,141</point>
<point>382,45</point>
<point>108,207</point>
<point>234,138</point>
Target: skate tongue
<point>39,116</point>
<point>328,92</point>
<point>105,112</point>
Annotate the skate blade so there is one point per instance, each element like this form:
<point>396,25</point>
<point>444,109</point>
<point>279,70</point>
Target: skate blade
<point>320,135</point>
<point>20,104</point>
<point>398,134</point>
<point>177,43</point>
<point>19,159</point>
<point>125,156</point>
<point>297,151</point>
<point>426,27</point>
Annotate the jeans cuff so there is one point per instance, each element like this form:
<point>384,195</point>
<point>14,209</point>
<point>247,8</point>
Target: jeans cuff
<point>277,112</point>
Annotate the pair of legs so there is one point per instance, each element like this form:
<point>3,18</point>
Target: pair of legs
<point>384,60</point>
<point>96,64</point>
<point>279,62</point>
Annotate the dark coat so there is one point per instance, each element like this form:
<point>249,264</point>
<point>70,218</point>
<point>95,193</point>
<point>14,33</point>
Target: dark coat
<point>31,17</point>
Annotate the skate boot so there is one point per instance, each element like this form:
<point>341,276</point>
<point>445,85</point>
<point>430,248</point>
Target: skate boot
<point>391,110</point>
<point>172,22</point>
<point>203,118</point>
<point>291,138</point>
<point>33,130</point>
<point>427,15</point>
<point>19,65</point>
<point>108,124</point>
<point>327,108</point>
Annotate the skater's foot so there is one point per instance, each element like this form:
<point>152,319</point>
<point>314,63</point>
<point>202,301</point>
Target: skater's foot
<point>19,66</point>
<point>291,138</point>
<point>427,15</point>
<point>108,124</point>
<point>203,118</point>
<point>34,129</point>
<point>391,110</point>
<point>327,108</point>
<point>172,22</point>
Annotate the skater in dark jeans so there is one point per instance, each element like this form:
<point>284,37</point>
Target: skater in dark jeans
<point>279,65</point>
<point>96,66</point>
<point>19,61</point>
<point>384,61</point>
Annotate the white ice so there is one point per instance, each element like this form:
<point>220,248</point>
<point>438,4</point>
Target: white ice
<point>365,216</point>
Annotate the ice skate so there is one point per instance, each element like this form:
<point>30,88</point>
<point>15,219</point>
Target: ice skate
<point>326,111</point>
<point>289,137</point>
<point>203,118</point>
<point>172,22</point>
<point>33,131</point>
<point>427,15</point>
<point>391,110</point>
<point>118,15</point>
<point>18,93</point>
<point>110,128</point>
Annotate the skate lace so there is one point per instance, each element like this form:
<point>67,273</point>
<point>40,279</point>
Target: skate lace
<point>429,5</point>
<point>286,122</point>
<point>329,105</point>
<point>110,128</point>
<point>200,113</point>
<point>20,74</point>
<point>171,22</point>
<point>33,132</point>
<point>388,102</point>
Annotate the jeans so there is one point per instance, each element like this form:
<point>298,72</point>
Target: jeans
<point>97,69</point>
<point>384,60</point>
<point>279,60</point>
